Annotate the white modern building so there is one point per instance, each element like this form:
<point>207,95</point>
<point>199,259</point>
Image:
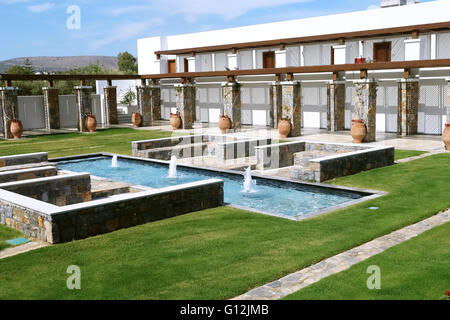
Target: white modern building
<point>400,40</point>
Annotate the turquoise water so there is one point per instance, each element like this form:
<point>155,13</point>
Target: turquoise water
<point>272,196</point>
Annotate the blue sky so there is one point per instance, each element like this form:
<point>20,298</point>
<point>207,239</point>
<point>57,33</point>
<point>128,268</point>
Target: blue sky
<point>39,27</point>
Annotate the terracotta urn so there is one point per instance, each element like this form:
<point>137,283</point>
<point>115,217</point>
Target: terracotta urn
<point>16,128</point>
<point>358,131</point>
<point>284,128</point>
<point>136,119</point>
<point>446,136</point>
<point>224,123</point>
<point>91,123</point>
<point>175,121</point>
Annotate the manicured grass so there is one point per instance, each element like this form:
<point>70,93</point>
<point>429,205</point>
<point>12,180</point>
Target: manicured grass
<point>416,269</point>
<point>58,145</point>
<point>7,234</point>
<point>223,252</point>
<point>402,154</point>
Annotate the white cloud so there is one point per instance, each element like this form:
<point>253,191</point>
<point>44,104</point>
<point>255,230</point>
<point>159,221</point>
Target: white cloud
<point>38,8</point>
<point>126,31</point>
<point>192,9</point>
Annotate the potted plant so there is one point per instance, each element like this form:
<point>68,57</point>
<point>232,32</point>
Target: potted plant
<point>91,122</point>
<point>446,296</point>
<point>16,128</point>
<point>358,130</point>
<point>446,136</point>
<point>175,121</point>
<point>127,99</point>
<point>284,127</point>
<point>224,123</point>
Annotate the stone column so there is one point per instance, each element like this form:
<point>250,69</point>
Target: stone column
<point>231,93</point>
<point>110,99</point>
<point>336,106</point>
<point>84,104</point>
<point>366,106</point>
<point>145,104</point>
<point>156,102</point>
<point>291,105</point>
<point>51,108</point>
<point>408,107</point>
<point>186,101</point>
<point>10,108</point>
<point>275,104</point>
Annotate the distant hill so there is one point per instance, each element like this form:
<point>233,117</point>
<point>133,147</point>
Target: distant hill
<point>54,64</point>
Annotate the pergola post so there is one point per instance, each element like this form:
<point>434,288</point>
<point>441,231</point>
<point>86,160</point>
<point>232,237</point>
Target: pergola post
<point>84,105</point>
<point>51,108</point>
<point>186,103</point>
<point>408,107</point>
<point>366,106</point>
<point>232,107</point>
<point>145,104</point>
<point>336,106</point>
<point>275,104</point>
<point>110,98</point>
<point>156,101</point>
<point>291,105</point>
<point>9,108</point>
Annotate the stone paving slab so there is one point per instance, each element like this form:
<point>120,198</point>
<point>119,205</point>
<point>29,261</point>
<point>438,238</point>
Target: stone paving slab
<point>303,278</point>
<point>9,252</point>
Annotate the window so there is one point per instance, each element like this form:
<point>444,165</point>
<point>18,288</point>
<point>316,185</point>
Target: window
<point>269,59</point>
<point>171,66</point>
<point>382,51</point>
<point>186,65</point>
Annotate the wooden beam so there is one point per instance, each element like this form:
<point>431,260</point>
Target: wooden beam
<point>407,73</point>
<point>233,50</point>
<point>109,81</point>
<point>415,35</point>
<point>341,41</point>
<point>318,38</point>
<point>290,76</point>
<point>282,47</point>
<point>50,83</point>
<point>143,82</point>
<point>8,83</point>
<point>309,69</point>
<point>335,76</point>
<point>363,73</point>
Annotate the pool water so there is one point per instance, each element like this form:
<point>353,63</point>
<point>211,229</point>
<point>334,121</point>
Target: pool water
<point>271,196</point>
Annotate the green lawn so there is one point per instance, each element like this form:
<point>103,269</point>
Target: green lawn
<point>416,269</point>
<point>7,234</point>
<point>402,154</point>
<point>221,253</point>
<point>67,144</point>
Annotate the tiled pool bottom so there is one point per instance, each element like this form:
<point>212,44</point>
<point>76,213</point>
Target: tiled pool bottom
<point>273,197</point>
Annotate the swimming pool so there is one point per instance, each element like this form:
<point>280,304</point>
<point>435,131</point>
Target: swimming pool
<point>271,196</point>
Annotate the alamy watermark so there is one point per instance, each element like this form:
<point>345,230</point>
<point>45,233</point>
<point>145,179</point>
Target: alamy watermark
<point>73,22</point>
<point>74,280</point>
<point>374,281</point>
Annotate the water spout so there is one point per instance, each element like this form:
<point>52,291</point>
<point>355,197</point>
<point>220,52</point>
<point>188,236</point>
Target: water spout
<point>249,184</point>
<point>173,168</point>
<point>114,163</point>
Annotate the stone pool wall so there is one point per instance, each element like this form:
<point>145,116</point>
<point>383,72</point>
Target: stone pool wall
<point>54,224</point>
<point>277,155</point>
<point>58,190</point>
<point>20,159</point>
<point>238,149</point>
<point>25,174</point>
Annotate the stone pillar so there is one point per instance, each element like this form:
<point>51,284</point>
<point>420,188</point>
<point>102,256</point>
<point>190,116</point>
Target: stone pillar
<point>366,106</point>
<point>291,105</point>
<point>84,104</point>
<point>275,104</point>
<point>231,93</point>
<point>156,102</point>
<point>10,108</point>
<point>51,108</point>
<point>336,106</point>
<point>145,104</point>
<point>408,107</point>
<point>186,102</point>
<point>110,99</point>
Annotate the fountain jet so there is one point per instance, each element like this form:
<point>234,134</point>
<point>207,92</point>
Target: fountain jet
<point>114,163</point>
<point>173,168</point>
<point>249,184</point>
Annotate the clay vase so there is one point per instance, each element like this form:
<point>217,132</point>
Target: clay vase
<point>446,136</point>
<point>175,121</point>
<point>224,123</point>
<point>91,123</point>
<point>284,128</point>
<point>136,119</point>
<point>16,129</point>
<point>358,131</point>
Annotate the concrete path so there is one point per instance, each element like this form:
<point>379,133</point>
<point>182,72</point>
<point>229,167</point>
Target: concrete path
<point>9,252</point>
<point>343,261</point>
<point>420,156</point>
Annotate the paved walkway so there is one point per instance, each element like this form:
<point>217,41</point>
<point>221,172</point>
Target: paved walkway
<point>303,278</point>
<point>9,252</point>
